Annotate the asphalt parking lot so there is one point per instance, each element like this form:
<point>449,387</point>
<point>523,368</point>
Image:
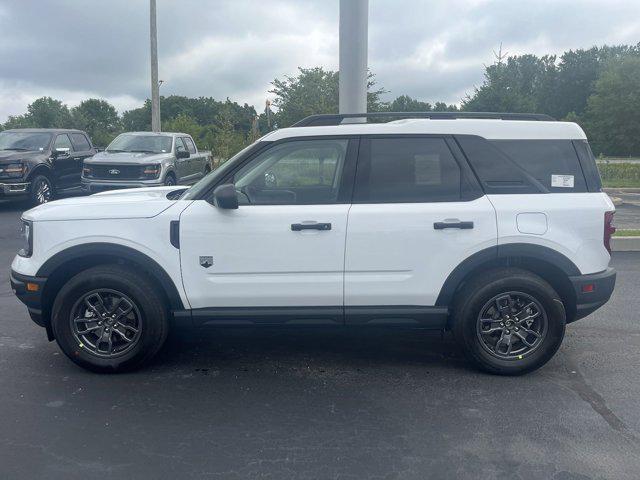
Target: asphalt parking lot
<point>237,404</point>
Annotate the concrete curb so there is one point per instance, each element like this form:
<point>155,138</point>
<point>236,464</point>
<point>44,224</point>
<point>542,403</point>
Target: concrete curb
<point>625,244</point>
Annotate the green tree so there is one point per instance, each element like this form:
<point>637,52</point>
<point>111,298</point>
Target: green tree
<point>404,103</point>
<point>183,123</point>
<point>612,115</point>
<point>98,118</point>
<point>509,86</point>
<point>137,119</point>
<point>315,91</point>
<point>46,112</point>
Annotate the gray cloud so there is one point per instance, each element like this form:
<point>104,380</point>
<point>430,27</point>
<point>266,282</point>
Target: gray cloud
<point>432,50</point>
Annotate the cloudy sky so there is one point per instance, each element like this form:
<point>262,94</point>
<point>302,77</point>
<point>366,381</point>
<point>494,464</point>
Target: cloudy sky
<point>429,49</point>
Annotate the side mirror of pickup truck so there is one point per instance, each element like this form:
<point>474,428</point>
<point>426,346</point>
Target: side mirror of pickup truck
<point>225,196</point>
<point>182,154</point>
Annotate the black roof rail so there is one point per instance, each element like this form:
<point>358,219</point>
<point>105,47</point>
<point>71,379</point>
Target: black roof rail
<point>337,118</point>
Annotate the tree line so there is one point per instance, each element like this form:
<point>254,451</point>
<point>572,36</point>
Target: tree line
<point>599,88</point>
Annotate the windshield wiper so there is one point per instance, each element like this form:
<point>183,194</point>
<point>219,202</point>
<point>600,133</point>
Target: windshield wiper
<point>115,151</point>
<point>17,149</point>
<point>142,151</point>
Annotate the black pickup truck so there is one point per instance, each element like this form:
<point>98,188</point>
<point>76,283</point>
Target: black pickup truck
<point>42,162</point>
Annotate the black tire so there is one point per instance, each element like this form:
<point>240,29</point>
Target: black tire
<point>509,288</point>
<point>41,190</point>
<point>147,304</point>
<point>170,179</point>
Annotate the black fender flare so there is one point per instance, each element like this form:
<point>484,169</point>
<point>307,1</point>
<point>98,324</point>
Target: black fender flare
<point>496,254</point>
<point>41,169</point>
<point>112,250</point>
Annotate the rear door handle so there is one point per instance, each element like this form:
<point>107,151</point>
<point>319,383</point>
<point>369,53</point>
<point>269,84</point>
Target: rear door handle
<point>460,225</point>
<point>296,227</point>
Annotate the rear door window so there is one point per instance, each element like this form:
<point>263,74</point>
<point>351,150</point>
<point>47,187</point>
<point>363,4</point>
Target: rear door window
<point>80,142</point>
<point>407,170</point>
<point>554,163</point>
<point>190,145</point>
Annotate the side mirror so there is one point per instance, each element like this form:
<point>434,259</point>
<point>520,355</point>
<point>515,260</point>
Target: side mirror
<point>225,196</point>
<point>60,151</point>
<point>182,154</point>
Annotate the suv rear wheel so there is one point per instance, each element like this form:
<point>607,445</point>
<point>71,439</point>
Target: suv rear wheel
<point>109,318</point>
<point>509,321</point>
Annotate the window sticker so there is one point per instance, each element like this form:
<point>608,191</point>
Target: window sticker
<point>562,181</point>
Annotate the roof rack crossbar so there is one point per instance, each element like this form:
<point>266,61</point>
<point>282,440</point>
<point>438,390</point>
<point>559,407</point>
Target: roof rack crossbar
<point>338,118</point>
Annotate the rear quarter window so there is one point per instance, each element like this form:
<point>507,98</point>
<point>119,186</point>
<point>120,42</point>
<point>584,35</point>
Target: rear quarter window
<point>554,163</point>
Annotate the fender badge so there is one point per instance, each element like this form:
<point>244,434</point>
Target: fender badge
<point>206,262</point>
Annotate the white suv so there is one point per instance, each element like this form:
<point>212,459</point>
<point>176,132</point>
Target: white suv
<point>493,226</point>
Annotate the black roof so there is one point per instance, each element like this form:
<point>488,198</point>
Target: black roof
<point>336,119</point>
<point>44,130</point>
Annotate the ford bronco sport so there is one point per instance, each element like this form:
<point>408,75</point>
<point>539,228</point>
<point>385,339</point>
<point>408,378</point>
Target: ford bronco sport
<point>493,226</point>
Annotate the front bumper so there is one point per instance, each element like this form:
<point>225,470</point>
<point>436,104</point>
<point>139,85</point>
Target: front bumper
<point>94,186</point>
<point>593,291</point>
<point>14,189</point>
<point>29,291</point>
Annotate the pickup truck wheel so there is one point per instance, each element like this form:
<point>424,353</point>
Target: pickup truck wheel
<point>109,318</point>
<point>509,321</point>
<point>170,180</point>
<point>42,190</point>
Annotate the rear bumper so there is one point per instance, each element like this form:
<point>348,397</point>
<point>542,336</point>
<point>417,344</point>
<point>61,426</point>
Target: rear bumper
<point>14,189</point>
<point>95,186</point>
<point>32,298</point>
<point>593,291</point>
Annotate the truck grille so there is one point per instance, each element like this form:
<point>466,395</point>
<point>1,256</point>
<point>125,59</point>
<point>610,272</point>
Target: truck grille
<point>117,172</point>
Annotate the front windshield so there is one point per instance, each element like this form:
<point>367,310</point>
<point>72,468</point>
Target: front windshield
<point>141,143</point>
<point>24,141</point>
<point>203,185</point>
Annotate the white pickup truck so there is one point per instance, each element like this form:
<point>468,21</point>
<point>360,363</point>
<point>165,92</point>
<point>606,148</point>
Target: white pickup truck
<point>146,159</point>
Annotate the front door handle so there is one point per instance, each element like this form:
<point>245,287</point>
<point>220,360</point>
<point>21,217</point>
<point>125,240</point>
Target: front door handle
<point>296,227</point>
<point>458,224</point>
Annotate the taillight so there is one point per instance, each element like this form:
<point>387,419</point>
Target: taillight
<point>609,229</point>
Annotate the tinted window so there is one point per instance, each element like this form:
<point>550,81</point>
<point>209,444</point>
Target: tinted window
<point>588,163</point>
<point>396,170</point>
<point>294,173</point>
<point>180,145</point>
<point>80,142</point>
<point>554,163</point>
<point>141,143</point>
<point>495,170</point>
<point>62,141</point>
<point>24,141</point>
<point>190,146</point>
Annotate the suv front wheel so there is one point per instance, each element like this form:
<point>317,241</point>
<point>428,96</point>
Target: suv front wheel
<point>109,318</point>
<point>509,321</point>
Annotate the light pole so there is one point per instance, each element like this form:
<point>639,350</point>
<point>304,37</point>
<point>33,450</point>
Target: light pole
<point>354,23</point>
<point>155,85</point>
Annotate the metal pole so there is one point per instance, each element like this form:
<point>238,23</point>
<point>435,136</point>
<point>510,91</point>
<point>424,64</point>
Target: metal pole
<point>155,86</point>
<point>354,23</point>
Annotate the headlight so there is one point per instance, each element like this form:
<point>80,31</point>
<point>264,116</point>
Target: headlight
<point>151,171</point>
<point>12,170</point>
<point>27,239</point>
